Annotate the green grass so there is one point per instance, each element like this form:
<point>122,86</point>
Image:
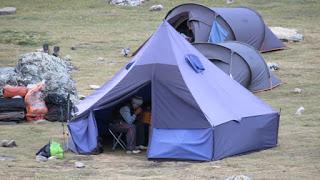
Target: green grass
<point>97,29</point>
<point>24,38</point>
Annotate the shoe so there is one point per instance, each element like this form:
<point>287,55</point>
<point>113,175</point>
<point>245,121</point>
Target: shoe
<point>141,147</point>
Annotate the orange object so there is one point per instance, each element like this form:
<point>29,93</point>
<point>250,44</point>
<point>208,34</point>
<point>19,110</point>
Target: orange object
<point>11,91</point>
<point>35,105</point>
<point>146,118</point>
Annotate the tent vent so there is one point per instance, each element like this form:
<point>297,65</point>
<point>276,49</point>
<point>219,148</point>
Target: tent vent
<point>195,63</point>
<point>129,65</point>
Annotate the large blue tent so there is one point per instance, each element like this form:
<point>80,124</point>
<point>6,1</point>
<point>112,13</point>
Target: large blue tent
<point>198,111</point>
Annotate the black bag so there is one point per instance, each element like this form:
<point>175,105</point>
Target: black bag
<point>56,113</point>
<point>14,116</point>
<point>44,151</point>
<point>55,99</point>
<point>57,107</point>
<point>12,104</point>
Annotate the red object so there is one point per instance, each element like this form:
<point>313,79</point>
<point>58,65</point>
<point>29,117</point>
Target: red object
<point>11,91</point>
<point>35,105</point>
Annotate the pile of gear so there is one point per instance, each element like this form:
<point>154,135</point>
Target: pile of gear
<point>41,84</point>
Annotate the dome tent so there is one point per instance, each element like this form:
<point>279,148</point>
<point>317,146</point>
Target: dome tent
<point>242,62</point>
<point>198,112</point>
<point>242,24</point>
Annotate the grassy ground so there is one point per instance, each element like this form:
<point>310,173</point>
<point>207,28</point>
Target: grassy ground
<point>97,29</point>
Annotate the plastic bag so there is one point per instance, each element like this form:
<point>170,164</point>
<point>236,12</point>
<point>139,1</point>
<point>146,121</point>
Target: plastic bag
<point>53,148</point>
<point>11,91</point>
<point>56,150</point>
<point>35,105</point>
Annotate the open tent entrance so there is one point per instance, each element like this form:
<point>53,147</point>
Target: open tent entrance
<point>107,114</point>
<point>181,24</point>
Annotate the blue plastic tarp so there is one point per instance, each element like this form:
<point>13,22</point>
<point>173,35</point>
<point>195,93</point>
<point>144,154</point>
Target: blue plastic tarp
<point>217,34</point>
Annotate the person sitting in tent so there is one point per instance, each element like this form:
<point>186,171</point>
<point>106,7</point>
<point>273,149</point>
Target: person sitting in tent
<point>142,125</point>
<point>129,113</point>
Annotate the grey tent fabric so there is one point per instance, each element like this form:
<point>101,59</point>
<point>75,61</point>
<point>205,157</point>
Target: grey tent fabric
<point>242,24</point>
<point>242,62</point>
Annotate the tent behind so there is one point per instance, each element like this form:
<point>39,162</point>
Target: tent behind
<point>242,63</point>
<point>198,112</point>
<point>220,24</point>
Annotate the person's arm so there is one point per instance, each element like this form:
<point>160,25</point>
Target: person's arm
<point>126,115</point>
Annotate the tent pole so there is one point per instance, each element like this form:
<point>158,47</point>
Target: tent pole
<point>230,68</point>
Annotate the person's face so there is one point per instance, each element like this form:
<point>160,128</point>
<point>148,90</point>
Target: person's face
<point>134,105</point>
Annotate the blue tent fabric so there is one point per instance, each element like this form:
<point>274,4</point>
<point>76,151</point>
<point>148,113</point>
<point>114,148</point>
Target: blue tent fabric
<point>251,133</point>
<point>181,144</point>
<point>191,112</point>
<point>217,33</point>
<point>195,63</point>
<point>84,134</point>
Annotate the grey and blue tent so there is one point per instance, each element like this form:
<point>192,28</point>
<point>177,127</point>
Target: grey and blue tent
<point>217,25</point>
<point>242,63</point>
<point>198,112</point>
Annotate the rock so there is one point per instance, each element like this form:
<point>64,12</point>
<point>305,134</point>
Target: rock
<point>126,2</point>
<point>8,10</point>
<point>7,158</point>
<point>8,75</point>
<point>79,164</point>
<point>297,90</point>
<point>52,158</point>
<point>230,1</point>
<point>125,52</point>
<point>40,158</point>
<point>94,87</point>
<point>273,66</point>
<point>100,59</point>
<point>8,143</point>
<point>300,110</point>
<point>286,34</point>
<point>239,177</point>
<point>158,7</point>
<point>67,58</point>
<point>39,50</point>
